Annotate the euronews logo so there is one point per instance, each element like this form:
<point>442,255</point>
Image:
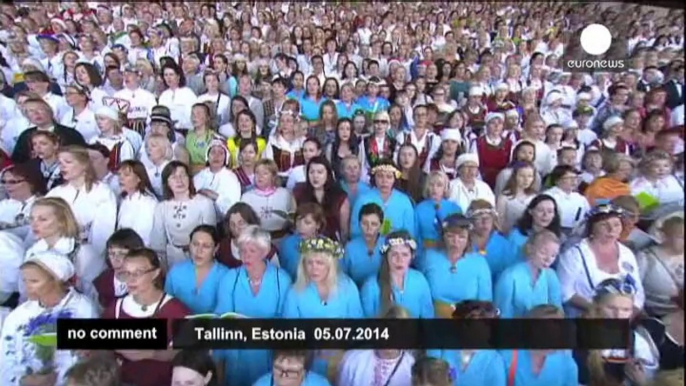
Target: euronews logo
<point>595,51</point>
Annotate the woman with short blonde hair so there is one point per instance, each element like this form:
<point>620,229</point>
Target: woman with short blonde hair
<point>160,152</point>
<point>435,207</point>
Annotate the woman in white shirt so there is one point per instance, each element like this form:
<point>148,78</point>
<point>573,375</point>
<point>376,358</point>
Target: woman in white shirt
<point>216,181</point>
<point>137,207</point>
<point>11,257</point>
<point>93,202</point>
<point>51,297</point>
<point>177,97</point>
<point>598,257</point>
<point>112,137</point>
<point>220,100</point>
<point>55,229</point>
<point>80,117</point>
<point>181,211</point>
<point>88,77</point>
<point>159,153</point>
<point>657,180</point>
<point>519,190</point>
<point>22,187</point>
<point>572,205</point>
<point>467,187</point>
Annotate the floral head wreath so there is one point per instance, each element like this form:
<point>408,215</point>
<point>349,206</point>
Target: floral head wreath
<point>605,209</point>
<point>457,221</point>
<point>386,168</point>
<point>396,241</point>
<point>473,213</point>
<point>623,286</point>
<point>322,244</point>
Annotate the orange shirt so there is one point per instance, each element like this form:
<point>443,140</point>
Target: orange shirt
<point>606,188</point>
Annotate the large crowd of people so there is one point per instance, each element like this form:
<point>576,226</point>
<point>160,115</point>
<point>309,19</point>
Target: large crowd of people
<point>339,160</point>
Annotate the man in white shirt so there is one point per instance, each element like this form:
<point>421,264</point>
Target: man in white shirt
<point>140,101</point>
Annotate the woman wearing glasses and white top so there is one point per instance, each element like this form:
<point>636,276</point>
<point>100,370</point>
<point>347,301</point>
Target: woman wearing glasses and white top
<point>598,257</point>
<point>23,187</point>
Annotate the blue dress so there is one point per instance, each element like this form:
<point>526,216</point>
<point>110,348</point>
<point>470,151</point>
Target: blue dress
<point>429,221</point>
<point>243,367</point>
<point>356,261</point>
<point>296,94</point>
<point>559,369</point>
<point>344,303</point>
<point>309,109</point>
<point>371,107</point>
<point>517,240</point>
<point>515,294</point>
<point>486,368</point>
<point>469,280</point>
<point>347,111</point>
<point>362,189</point>
<point>289,254</point>
<point>181,284</point>
<point>311,379</point>
<point>415,297</point>
<point>398,210</point>
<point>496,254</point>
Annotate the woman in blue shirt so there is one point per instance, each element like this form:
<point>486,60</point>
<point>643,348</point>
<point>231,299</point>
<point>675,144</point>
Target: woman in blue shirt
<point>256,289</point>
<point>321,291</point>
<point>541,213</point>
<point>346,106</point>
<point>362,257</point>
<point>312,101</point>
<point>532,282</point>
<point>195,281</point>
<point>351,181</point>
<point>291,368</point>
<point>487,241</point>
<point>397,283</point>
<point>397,207</point>
<point>541,367</point>
<point>455,273</point>
<point>474,367</point>
<point>430,213</point>
<point>309,221</point>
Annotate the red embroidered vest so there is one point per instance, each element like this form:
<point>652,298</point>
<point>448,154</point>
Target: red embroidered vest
<point>492,159</point>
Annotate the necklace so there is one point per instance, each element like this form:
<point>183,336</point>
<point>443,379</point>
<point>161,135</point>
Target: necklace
<point>146,307</point>
<point>255,282</point>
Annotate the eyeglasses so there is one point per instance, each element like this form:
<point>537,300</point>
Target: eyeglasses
<point>11,182</point>
<point>380,121</point>
<point>287,373</point>
<point>117,254</point>
<point>135,274</point>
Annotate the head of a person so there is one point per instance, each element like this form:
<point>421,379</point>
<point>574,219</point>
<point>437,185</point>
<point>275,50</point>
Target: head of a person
<point>614,299</point>
<point>21,182</point>
<point>541,213</point>
<point>38,112</point>
<point>46,274</point>
<point>618,166</point>
<point>672,234</point>
<point>398,251</point>
<point>604,223</point>
<point>468,167</point>
<point>429,371</point>
<point>96,370</point>
<point>656,165</point>
<point>456,233</point>
<point>437,186</point>
<point>319,174</point>
<point>177,181</point>
<point>475,309</point>
<point>408,157</point>
<point>309,220</point>
<point>239,217</point>
<point>194,368</point>
<point>142,272</point>
<point>52,217</point>
<point>204,245</point>
<point>541,249</point>
<point>133,178</point>
<point>384,176</point>
<point>266,174</point>
<point>290,367</point>
<point>525,151</point>
<point>483,216</point>
<point>565,177</point>
<point>119,244</point>
<point>319,262</point>
<point>521,180</point>
<point>45,144</point>
<point>75,164</point>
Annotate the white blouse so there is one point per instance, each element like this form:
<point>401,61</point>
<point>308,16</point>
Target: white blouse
<point>267,204</point>
<point>364,367</point>
<point>667,190</point>
<point>11,258</point>
<point>136,211</point>
<point>14,216</point>
<point>180,102</point>
<point>224,183</point>
<point>463,196</point>
<point>579,273</point>
<point>17,354</point>
<point>84,123</point>
<point>572,207</point>
<point>95,211</point>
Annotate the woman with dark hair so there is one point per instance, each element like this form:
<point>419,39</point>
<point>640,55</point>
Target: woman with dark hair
<point>23,186</point>
<point>311,148</point>
<point>110,285</point>
<point>312,101</point>
<point>325,130</point>
<point>599,256</point>
<point>397,206</point>
<point>431,371</point>
<point>310,221</point>
<point>412,180</point>
<point>239,216</point>
<point>181,211</point>
<point>177,96</point>
<point>396,284</point>
<point>143,272</point>
<point>345,144</point>
<point>88,76</point>
<point>198,140</point>
<point>245,130</point>
<point>541,213</point>
<point>293,369</point>
<point>138,201</point>
<point>195,281</point>
<point>473,367</point>
<point>245,168</point>
<point>321,188</point>
<point>194,368</point>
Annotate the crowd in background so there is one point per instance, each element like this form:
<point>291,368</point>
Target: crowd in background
<point>339,160</point>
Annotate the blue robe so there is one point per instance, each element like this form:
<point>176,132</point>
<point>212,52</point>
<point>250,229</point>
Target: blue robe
<point>311,379</point>
<point>429,221</point>
<point>515,295</point>
<point>559,369</point>
<point>517,240</point>
<point>496,254</point>
<point>356,261</point>
<point>486,368</point>
<point>181,284</point>
<point>296,94</point>
<point>344,303</point>
<point>347,111</point>
<point>415,298</point>
<point>369,107</point>
<point>398,209</point>
<point>362,189</point>
<point>243,367</point>
<point>470,281</point>
<point>289,254</point>
<point>309,109</point>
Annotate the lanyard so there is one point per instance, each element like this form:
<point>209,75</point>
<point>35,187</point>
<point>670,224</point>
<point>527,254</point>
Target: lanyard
<point>395,369</point>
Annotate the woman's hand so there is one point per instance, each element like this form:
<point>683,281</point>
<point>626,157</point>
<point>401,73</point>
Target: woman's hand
<point>49,379</point>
